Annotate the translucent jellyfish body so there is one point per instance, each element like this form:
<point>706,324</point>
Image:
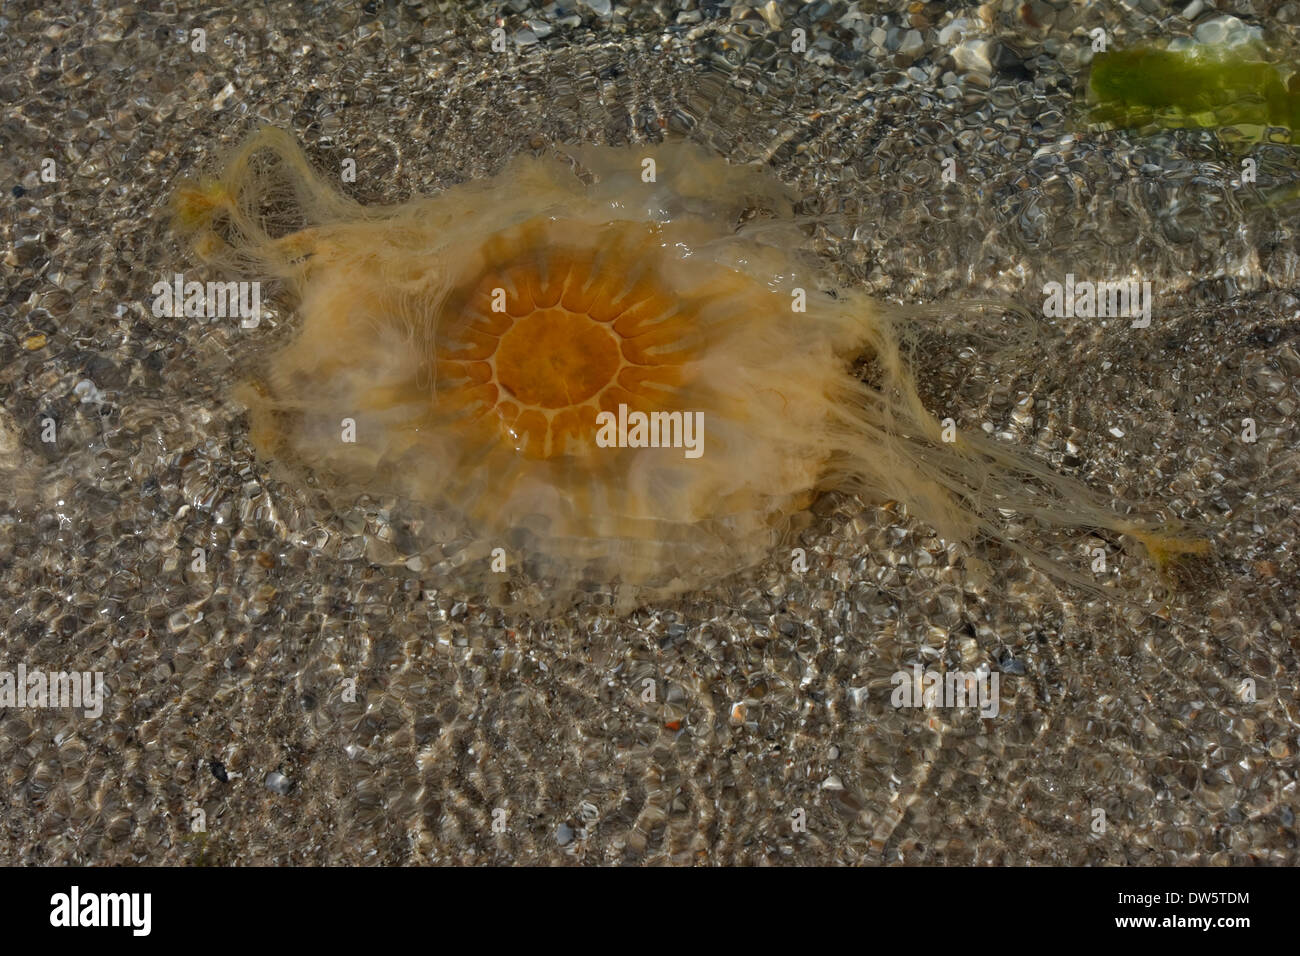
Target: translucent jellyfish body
<point>615,366</point>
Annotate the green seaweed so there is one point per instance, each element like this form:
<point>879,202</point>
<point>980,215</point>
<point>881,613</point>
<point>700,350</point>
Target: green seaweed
<point>1202,86</point>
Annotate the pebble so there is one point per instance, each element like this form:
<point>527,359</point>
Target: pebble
<point>87,392</point>
<point>912,44</point>
<point>1226,30</point>
<point>10,440</point>
<point>973,56</point>
<point>278,783</point>
<point>956,29</point>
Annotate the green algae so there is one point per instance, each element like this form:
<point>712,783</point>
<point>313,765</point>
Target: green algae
<point>1239,88</point>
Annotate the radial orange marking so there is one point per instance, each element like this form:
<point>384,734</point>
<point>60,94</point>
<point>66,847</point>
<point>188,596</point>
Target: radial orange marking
<point>545,338</point>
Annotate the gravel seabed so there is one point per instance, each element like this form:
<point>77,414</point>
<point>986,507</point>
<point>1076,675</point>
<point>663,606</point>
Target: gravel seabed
<point>479,736</point>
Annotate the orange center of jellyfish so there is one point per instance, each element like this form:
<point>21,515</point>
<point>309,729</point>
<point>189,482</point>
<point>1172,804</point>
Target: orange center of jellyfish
<point>554,359</point>
<point>547,337</point>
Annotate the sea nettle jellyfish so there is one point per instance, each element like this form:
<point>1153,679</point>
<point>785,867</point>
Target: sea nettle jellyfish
<point>611,366</point>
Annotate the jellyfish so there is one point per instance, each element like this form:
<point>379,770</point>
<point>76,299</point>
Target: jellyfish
<point>620,365</point>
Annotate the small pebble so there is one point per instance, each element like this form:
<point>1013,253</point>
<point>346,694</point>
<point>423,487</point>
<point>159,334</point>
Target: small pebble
<point>1226,30</point>
<point>87,392</point>
<point>912,44</point>
<point>278,783</point>
<point>973,56</point>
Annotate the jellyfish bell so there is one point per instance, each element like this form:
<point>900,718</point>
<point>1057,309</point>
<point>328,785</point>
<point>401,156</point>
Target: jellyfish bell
<point>615,365</point>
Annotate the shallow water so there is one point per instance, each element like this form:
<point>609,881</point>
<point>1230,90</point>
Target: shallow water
<point>771,694</point>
